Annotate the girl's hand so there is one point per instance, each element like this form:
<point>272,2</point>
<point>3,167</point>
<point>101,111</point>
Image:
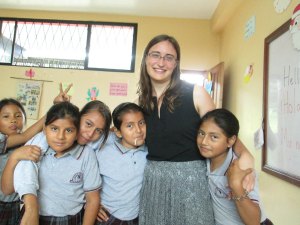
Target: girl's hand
<point>27,152</point>
<point>63,94</point>
<point>102,214</point>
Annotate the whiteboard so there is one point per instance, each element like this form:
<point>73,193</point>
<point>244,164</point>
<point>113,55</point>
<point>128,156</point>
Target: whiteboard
<point>281,153</point>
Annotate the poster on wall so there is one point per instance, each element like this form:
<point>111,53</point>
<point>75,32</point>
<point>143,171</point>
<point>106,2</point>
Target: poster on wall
<point>29,95</point>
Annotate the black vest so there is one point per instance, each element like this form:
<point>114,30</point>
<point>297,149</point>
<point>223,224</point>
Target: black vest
<point>172,137</point>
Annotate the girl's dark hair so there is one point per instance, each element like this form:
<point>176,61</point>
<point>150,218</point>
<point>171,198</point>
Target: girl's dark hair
<point>225,119</point>
<point>11,101</point>
<point>103,109</point>
<point>122,109</point>
<point>63,110</point>
<point>145,87</point>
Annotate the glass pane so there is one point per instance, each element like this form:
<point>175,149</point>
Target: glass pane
<point>111,47</point>
<point>6,41</point>
<point>192,76</point>
<point>51,44</point>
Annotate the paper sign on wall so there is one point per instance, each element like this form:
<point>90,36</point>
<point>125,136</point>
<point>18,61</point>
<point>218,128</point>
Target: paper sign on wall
<point>118,89</point>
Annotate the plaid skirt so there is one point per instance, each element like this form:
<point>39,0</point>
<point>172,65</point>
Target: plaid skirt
<point>9,213</point>
<point>76,219</point>
<point>175,193</point>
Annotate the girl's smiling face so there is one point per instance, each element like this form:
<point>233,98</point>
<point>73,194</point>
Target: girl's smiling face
<point>61,135</point>
<point>92,125</point>
<point>212,141</point>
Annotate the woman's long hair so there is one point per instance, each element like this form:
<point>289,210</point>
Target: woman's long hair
<point>145,87</point>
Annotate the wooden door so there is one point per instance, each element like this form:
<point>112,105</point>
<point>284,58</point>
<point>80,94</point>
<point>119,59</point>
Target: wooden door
<point>217,77</point>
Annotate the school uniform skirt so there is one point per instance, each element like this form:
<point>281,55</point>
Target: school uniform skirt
<point>9,212</point>
<point>175,193</point>
<point>76,219</point>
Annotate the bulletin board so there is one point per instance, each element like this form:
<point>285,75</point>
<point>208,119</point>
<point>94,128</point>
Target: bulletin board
<point>281,151</point>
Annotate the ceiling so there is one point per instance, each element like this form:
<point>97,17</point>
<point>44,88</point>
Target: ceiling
<point>193,9</point>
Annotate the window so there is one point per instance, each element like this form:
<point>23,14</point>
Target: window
<point>193,76</point>
<point>6,40</point>
<point>67,44</point>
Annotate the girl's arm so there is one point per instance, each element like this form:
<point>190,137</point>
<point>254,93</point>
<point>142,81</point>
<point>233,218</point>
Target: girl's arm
<point>248,210</point>
<point>20,139</point>
<point>28,152</point>
<point>204,103</point>
<point>91,207</point>
<point>31,215</point>
<point>27,190</point>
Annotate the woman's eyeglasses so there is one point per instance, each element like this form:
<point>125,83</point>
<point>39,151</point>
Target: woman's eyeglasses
<point>155,57</point>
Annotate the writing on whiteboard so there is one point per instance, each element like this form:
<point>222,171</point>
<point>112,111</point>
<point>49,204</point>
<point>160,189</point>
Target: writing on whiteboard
<point>290,102</point>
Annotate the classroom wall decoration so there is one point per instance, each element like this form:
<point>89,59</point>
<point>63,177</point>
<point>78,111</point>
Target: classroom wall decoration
<point>281,5</point>
<point>250,27</point>
<point>29,95</point>
<point>281,151</point>
<point>30,73</point>
<point>92,94</point>
<point>118,89</point>
<point>248,73</point>
<point>295,27</point>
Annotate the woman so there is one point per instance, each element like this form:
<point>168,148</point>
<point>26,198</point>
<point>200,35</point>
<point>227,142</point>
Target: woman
<point>175,188</point>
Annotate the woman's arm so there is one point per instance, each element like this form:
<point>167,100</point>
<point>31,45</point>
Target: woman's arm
<point>245,157</point>
<point>246,160</point>
<point>28,152</point>
<point>202,100</point>
<point>91,207</point>
<point>248,210</point>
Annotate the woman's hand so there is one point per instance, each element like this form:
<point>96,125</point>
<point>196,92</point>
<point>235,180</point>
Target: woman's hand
<point>245,162</point>
<point>236,175</point>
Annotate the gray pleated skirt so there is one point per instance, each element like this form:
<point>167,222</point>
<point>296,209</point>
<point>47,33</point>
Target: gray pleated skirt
<point>175,193</point>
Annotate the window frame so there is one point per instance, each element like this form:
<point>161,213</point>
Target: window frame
<point>89,27</point>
